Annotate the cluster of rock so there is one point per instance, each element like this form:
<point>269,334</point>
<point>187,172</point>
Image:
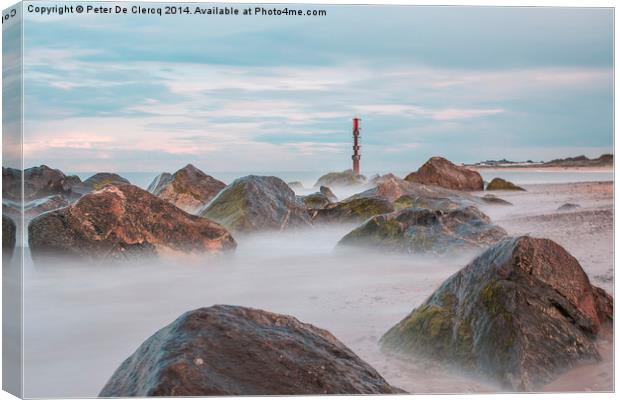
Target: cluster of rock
<point>520,313</point>
<point>228,350</point>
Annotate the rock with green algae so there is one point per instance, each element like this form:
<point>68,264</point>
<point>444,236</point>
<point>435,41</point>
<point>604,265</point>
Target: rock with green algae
<point>257,203</point>
<point>426,231</point>
<point>492,199</point>
<point>98,182</point>
<point>344,178</point>
<point>520,313</point>
<point>315,201</point>
<point>430,203</point>
<point>502,184</point>
<point>352,210</point>
<point>189,188</point>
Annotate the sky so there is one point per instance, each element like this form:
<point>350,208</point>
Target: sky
<point>254,93</point>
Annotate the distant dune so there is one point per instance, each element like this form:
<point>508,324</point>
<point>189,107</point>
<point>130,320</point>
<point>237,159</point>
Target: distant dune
<point>605,160</point>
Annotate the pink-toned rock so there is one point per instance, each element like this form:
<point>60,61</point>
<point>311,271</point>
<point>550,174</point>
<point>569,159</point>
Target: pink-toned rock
<point>189,188</point>
<point>119,221</point>
<point>438,171</point>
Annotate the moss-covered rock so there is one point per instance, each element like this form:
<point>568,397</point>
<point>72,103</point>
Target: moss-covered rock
<point>501,184</point>
<point>429,203</point>
<point>424,230</point>
<point>520,313</point>
<point>254,203</point>
<point>315,201</point>
<point>353,210</point>
<point>98,182</point>
<point>344,178</point>
<point>492,199</point>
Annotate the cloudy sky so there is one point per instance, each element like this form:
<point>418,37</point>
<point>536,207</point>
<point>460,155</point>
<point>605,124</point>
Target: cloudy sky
<point>248,93</point>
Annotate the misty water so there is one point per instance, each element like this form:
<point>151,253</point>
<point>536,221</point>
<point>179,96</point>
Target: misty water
<point>81,321</point>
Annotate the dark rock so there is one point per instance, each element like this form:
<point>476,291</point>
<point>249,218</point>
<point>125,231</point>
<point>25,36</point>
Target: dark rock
<point>98,182</point>
<point>520,313</point>
<point>328,193</point>
<point>424,230</point>
<point>189,188</point>
<point>344,178</point>
<point>120,221</point>
<point>353,210</point>
<point>11,184</point>
<point>255,203</point>
<point>568,207</point>
<point>9,234</point>
<point>492,199</point>
<point>605,160</point>
<point>501,184</point>
<point>228,350</point>
<point>438,171</point>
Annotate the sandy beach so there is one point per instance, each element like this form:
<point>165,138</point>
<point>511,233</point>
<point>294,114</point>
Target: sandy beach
<point>104,313</point>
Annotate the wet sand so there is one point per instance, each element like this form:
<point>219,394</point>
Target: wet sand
<point>82,322</point>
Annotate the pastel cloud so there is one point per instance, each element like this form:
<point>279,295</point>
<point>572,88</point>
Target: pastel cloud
<point>271,95</point>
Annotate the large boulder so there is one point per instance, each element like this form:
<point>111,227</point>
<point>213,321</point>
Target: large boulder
<point>9,234</point>
<point>255,203</point>
<point>520,313</point>
<point>502,184</point>
<point>438,171</point>
<point>119,221</point>
<point>228,350</point>
<point>344,178</point>
<point>189,188</point>
<point>352,210</point>
<point>426,230</point>
<point>99,181</point>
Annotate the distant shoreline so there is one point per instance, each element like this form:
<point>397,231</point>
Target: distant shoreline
<point>540,168</point>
